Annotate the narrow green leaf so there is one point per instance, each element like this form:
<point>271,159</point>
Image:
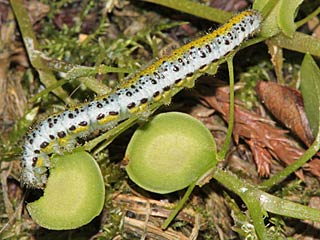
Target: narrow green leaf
<point>270,26</point>
<point>264,7</point>
<point>287,208</point>
<point>310,88</point>
<point>287,12</point>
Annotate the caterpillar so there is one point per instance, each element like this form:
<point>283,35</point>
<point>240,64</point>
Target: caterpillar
<point>155,83</point>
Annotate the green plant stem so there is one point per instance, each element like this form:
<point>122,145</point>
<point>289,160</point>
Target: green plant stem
<point>179,206</point>
<point>225,147</point>
<point>312,150</point>
<point>307,18</point>
<point>300,42</point>
<point>83,71</point>
<point>85,74</point>
<point>74,71</point>
<point>32,46</point>
<point>258,202</point>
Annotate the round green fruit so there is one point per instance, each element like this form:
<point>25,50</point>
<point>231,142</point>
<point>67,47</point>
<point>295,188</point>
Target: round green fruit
<point>170,152</point>
<point>74,194</point>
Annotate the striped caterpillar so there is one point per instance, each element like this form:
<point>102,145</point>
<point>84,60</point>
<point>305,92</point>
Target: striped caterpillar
<point>155,83</point>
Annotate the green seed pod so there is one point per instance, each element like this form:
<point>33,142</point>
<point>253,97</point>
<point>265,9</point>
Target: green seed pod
<point>74,194</point>
<point>170,152</point>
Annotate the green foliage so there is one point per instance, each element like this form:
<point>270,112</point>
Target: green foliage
<point>287,13</point>
<point>310,88</point>
<point>100,46</point>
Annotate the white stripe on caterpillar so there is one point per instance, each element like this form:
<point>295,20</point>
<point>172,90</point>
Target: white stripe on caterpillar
<point>59,132</point>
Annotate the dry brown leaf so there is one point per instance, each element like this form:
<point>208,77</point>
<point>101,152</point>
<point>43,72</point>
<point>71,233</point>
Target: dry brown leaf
<point>286,105</point>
